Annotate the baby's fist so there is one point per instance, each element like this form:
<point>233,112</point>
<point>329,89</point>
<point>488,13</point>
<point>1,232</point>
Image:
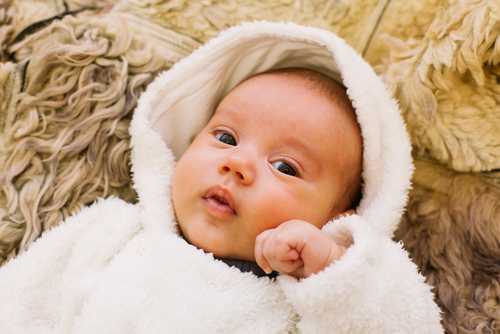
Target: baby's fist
<point>296,248</point>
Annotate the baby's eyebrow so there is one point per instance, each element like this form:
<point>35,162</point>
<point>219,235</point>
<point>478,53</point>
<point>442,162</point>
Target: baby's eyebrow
<point>219,111</point>
<point>311,156</point>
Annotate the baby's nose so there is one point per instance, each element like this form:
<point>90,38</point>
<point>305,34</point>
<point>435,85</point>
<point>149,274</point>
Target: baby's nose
<point>240,167</point>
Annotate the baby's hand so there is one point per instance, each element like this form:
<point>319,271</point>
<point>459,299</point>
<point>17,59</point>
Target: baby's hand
<point>296,248</point>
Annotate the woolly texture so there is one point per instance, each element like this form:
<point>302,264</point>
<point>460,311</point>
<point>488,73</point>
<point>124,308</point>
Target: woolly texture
<point>404,19</point>
<point>352,20</point>
<point>359,22</point>
<point>447,85</point>
<point>451,232</point>
<point>64,139</point>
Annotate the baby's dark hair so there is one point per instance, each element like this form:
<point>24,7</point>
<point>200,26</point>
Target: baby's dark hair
<point>337,94</point>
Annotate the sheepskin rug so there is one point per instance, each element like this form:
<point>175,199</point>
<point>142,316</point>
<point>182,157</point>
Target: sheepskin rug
<point>448,87</point>
<point>69,84</point>
<point>67,95</point>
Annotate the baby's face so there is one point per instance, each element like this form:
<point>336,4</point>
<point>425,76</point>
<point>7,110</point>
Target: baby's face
<point>273,151</point>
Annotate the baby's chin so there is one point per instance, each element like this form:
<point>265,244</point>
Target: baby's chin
<point>217,245</point>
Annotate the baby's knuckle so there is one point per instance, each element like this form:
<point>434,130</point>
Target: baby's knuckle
<point>267,254</point>
<point>280,239</point>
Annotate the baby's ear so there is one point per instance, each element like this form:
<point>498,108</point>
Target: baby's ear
<point>346,213</point>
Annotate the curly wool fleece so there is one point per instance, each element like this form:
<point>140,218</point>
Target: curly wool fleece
<point>448,88</point>
<point>65,118</point>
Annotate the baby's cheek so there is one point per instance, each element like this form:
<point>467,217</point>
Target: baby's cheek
<point>270,214</point>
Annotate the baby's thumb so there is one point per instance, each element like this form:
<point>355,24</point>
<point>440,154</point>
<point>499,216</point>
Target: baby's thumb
<point>292,254</point>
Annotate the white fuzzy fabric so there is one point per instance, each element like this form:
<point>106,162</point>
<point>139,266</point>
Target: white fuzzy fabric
<point>122,268</point>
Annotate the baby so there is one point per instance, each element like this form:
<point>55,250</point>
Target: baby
<point>279,159</point>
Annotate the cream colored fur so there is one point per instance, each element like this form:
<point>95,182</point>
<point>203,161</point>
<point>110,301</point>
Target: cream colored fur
<point>64,139</point>
<point>448,88</point>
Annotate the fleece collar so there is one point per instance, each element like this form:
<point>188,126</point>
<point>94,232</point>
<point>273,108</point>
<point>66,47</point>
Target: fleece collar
<point>180,102</point>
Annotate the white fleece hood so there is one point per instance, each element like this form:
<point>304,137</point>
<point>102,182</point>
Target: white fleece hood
<point>181,101</point>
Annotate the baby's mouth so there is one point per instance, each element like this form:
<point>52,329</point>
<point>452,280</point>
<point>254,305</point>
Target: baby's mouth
<point>219,201</point>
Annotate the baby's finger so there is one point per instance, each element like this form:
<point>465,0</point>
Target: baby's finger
<point>285,244</point>
<point>287,267</point>
<point>259,252</point>
<point>287,254</point>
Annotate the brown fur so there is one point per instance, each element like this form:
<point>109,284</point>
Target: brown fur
<point>451,232</point>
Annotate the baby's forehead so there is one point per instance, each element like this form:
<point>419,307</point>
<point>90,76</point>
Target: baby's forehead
<point>297,84</point>
<point>295,99</point>
<point>310,79</point>
<point>312,82</point>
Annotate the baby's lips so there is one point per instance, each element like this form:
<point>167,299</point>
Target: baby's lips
<point>218,191</point>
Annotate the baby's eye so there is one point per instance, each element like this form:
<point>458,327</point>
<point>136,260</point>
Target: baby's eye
<point>284,168</point>
<point>226,138</point>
